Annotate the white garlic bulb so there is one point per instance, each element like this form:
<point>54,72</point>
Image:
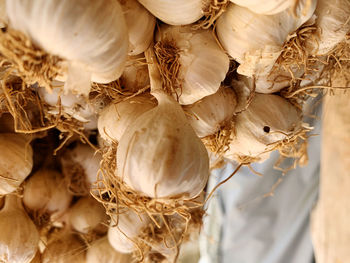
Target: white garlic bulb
<point>16,161</point>
<point>102,252</point>
<point>135,75</point>
<point>75,106</point>
<point>65,249</point>
<point>202,64</point>
<point>46,192</point>
<point>160,155</point>
<point>209,114</point>
<point>268,7</point>
<point>124,236</point>
<point>268,119</point>
<point>140,25</point>
<point>90,35</point>
<point>88,215</point>
<point>179,12</point>
<point>19,237</point>
<point>115,119</point>
<point>87,158</point>
<point>333,24</point>
<point>255,41</point>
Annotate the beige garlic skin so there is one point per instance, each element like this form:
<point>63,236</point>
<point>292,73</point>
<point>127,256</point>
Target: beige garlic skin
<point>210,113</point>
<point>46,192</point>
<point>102,252</point>
<point>333,25</point>
<point>269,7</point>
<point>268,119</point>
<point>65,249</point>
<point>255,41</point>
<point>160,155</point>
<point>3,15</point>
<point>203,65</point>
<point>140,24</point>
<point>16,161</point>
<point>90,35</point>
<point>135,75</point>
<point>179,12</point>
<point>88,215</point>
<point>37,258</point>
<point>19,237</point>
<point>124,230</point>
<point>115,119</point>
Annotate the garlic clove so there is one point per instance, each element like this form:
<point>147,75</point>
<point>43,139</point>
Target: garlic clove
<point>16,161</point>
<point>102,252</point>
<point>140,25</point>
<point>160,155</point>
<point>46,192</point>
<point>192,61</point>
<point>115,119</point>
<point>19,237</point>
<point>209,114</point>
<point>179,12</point>
<point>87,215</point>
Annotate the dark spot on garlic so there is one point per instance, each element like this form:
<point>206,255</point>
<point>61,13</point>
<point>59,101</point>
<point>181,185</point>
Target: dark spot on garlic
<point>266,129</point>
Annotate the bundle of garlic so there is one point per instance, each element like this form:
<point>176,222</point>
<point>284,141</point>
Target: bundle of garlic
<point>85,41</point>
<point>101,251</point>
<point>19,237</point>
<point>16,161</point>
<point>46,193</point>
<point>192,64</point>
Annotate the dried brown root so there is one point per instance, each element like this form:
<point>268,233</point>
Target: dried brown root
<point>219,142</point>
<point>168,54</point>
<point>33,64</point>
<point>115,196</point>
<point>212,11</point>
<point>75,178</point>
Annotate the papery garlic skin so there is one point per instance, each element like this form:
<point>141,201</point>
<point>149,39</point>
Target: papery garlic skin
<point>203,65</point>
<point>140,24</point>
<point>209,114</point>
<point>46,192</point>
<point>115,119</point>
<point>3,15</point>
<point>16,161</point>
<point>19,237</point>
<point>74,105</point>
<point>89,34</point>
<point>125,229</point>
<point>88,215</point>
<point>135,75</point>
<point>65,249</point>
<point>269,7</point>
<point>333,25</point>
<point>102,252</point>
<point>160,155</point>
<point>267,120</point>
<point>179,12</point>
<point>255,41</point>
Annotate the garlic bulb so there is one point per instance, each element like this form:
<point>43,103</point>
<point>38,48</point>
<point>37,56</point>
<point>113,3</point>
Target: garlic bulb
<point>179,12</point>
<point>255,41</point>
<point>209,114</point>
<point>16,161</point>
<point>115,119</point>
<point>19,237</point>
<point>200,65</point>
<point>75,106</point>
<point>160,155</point>
<point>140,25</point>
<point>269,7</point>
<point>102,252</point>
<point>86,157</point>
<point>88,215</point>
<point>267,120</point>
<point>333,25</point>
<point>90,35</point>
<point>46,192</point>
<point>65,249</point>
<point>135,75</point>
<point>123,236</point>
